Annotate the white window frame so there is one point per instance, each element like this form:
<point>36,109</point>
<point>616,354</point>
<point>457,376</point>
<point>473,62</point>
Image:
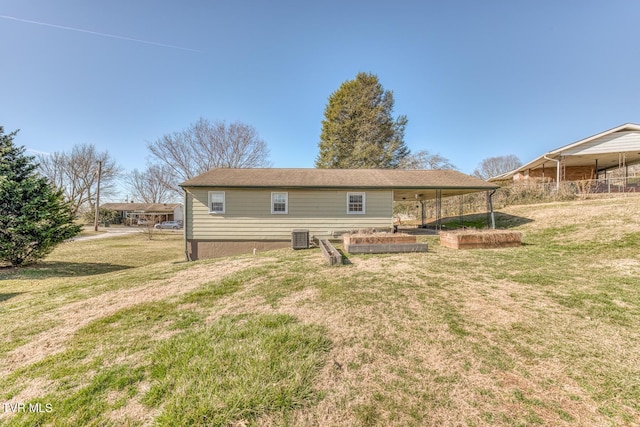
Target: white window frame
<point>364,203</point>
<point>286,203</point>
<point>224,202</point>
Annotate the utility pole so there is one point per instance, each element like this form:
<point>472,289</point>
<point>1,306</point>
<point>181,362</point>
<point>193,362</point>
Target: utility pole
<point>95,224</point>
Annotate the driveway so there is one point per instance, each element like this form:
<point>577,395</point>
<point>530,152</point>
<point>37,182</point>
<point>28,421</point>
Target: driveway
<point>108,232</point>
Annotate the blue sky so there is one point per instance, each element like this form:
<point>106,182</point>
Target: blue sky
<point>475,78</point>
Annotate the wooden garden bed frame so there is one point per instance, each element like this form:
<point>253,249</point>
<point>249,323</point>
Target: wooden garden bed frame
<point>479,239</point>
<point>331,254</point>
<point>382,243</point>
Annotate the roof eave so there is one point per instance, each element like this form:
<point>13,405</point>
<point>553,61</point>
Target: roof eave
<point>359,187</point>
<point>630,126</point>
<point>549,156</point>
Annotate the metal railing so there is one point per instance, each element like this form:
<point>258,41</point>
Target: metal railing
<point>585,186</point>
<point>608,185</point>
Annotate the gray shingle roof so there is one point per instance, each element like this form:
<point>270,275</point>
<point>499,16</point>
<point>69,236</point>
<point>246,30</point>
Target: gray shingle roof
<point>142,207</point>
<point>337,178</point>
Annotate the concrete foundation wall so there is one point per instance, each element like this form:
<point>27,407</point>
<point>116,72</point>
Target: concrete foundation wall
<point>205,249</point>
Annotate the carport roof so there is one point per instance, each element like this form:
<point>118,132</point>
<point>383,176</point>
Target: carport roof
<point>407,184</point>
<point>605,147</point>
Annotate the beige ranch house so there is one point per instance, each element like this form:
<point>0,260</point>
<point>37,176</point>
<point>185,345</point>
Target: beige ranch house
<point>130,213</point>
<point>232,211</point>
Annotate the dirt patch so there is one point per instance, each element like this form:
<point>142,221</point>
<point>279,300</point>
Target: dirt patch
<point>134,412</point>
<point>495,305</point>
<point>624,267</point>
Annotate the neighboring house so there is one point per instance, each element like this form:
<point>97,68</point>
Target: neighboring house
<point>230,211</point>
<point>130,213</point>
<point>614,150</point>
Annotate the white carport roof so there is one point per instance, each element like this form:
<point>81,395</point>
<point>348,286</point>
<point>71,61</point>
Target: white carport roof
<point>606,148</point>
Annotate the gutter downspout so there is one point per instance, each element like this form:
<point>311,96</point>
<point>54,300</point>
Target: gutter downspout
<point>184,219</point>
<point>557,171</point>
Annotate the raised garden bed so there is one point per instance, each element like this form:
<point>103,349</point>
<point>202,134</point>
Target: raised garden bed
<point>479,239</point>
<point>380,243</point>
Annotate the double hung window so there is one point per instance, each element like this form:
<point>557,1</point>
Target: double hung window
<point>355,203</point>
<point>217,203</point>
<point>280,203</point>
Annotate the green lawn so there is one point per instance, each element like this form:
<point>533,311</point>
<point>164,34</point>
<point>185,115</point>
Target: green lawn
<point>121,331</point>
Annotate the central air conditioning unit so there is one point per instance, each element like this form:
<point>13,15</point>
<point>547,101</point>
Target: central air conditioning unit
<point>300,239</point>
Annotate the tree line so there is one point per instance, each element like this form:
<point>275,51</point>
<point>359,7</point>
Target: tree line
<point>358,131</point>
<point>173,158</point>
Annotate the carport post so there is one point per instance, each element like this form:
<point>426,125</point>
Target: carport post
<point>557,171</point>
<point>490,202</point>
<point>438,210</point>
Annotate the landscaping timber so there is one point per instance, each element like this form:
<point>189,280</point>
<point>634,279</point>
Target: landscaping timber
<point>479,239</point>
<point>330,253</point>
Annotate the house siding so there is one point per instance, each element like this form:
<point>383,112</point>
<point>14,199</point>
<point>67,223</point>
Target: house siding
<point>618,142</point>
<point>248,214</point>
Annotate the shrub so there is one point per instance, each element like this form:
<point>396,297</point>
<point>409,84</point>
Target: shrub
<point>34,216</point>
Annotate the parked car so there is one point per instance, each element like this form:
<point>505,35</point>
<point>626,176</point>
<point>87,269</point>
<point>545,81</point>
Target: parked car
<point>168,224</point>
<point>143,221</point>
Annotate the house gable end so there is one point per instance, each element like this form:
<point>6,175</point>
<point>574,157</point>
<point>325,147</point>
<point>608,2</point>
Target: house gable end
<point>617,142</point>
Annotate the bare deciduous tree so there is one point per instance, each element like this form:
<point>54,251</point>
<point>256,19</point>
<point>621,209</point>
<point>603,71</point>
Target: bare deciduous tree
<point>425,160</point>
<point>205,145</point>
<point>150,185</point>
<point>494,166</point>
<point>76,173</point>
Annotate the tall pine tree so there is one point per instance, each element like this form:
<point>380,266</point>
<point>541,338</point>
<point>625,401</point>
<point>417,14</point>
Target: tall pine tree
<point>358,130</point>
<point>34,216</point>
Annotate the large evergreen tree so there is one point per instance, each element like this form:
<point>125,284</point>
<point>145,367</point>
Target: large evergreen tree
<point>358,130</point>
<point>34,216</point>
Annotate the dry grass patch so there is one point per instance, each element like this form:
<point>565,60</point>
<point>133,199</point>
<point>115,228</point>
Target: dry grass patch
<point>602,220</point>
<point>72,317</point>
<point>101,329</point>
